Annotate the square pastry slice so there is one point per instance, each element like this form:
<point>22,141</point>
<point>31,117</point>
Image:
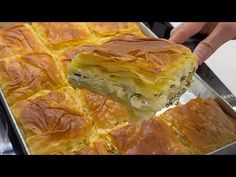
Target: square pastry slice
<point>203,124</point>
<point>52,121</point>
<point>18,39</point>
<point>58,36</point>
<point>197,127</point>
<point>105,30</point>
<point>21,77</point>
<point>142,74</point>
<point>152,137</point>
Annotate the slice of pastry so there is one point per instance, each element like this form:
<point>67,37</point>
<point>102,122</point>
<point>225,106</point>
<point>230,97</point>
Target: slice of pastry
<point>154,136</point>
<point>57,35</point>
<point>106,30</point>
<point>105,112</point>
<point>18,39</point>
<point>197,127</point>
<point>53,121</point>
<point>21,77</point>
<point>142,74</point>
<point>203,123</point>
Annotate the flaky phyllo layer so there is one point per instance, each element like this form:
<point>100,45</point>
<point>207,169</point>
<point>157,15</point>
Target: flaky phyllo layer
<point>142,74</point>
<point>55,118</point>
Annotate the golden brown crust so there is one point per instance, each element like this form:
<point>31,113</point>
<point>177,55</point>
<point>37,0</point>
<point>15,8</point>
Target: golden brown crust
<point>154,137</point>
<point>68,54</point>
<point>52,142</point>
<point>97,148</point>
<point>48,143</point>
<point>21,77</point>
<point>105,29</point>
<point>151,56</point>
<point>53,122</point>
<point>59,35</point>
<point>203,123</point>
<point>18,39</point>
<point>56,112</point>
<point>105,112</point>
<point>198,127</point>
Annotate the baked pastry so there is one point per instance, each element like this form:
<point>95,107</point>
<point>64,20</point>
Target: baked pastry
<point>55,118</point>
<point>142,74</point>
<point>53,121</point>
<point>203,124</point>
<point>153,137</point>
<point>68,54</point>
<point>98,147</point>
<point>104,112</point>
<point>198,127</point>
<point>57,35</point>
<point>18,39</point>
<point>21,77</point>
<point>111,29</point>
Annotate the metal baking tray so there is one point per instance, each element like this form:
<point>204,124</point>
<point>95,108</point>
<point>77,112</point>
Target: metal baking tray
<point>206,86</point>
<point>14,125</point>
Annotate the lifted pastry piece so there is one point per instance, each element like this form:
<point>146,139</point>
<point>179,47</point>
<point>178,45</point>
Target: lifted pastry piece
<point>142,74</point>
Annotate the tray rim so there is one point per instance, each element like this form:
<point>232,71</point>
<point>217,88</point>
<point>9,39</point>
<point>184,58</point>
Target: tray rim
<point>14,123</point>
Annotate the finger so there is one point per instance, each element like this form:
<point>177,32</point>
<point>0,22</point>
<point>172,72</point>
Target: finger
<point>221,34</point>
<point>175,29</point>
<point>186,31</point>
<point>208,28</point>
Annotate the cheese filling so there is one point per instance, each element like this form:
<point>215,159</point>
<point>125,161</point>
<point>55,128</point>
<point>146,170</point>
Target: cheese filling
<point>123,90</point>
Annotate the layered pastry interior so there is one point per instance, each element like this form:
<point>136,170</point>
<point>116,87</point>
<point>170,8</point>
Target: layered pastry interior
<point>142,74</point>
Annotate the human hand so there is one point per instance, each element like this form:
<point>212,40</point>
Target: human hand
<point>217,35</point>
